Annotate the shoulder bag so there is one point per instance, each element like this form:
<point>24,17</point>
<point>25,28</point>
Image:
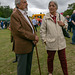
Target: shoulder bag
<point>65,33</point>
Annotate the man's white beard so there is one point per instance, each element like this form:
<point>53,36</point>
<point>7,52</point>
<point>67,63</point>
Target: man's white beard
<point>26,10</point>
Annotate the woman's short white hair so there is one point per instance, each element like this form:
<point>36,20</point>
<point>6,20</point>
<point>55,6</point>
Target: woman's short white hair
<point>54,3</point>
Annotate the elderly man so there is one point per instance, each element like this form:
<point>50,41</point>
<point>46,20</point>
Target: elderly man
<point>24,37</point>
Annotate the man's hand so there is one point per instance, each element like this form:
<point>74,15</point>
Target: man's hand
<point>36,40</point>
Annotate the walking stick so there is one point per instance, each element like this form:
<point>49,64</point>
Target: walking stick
<point>38,60</point>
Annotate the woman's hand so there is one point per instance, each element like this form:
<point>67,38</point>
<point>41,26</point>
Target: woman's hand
<point>45,43</point>
<point>61,23</point>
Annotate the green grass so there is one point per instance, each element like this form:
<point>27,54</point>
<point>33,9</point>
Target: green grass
<point>7,56</point>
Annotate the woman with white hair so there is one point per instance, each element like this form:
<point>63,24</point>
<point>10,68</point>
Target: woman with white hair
<point>52,35</point>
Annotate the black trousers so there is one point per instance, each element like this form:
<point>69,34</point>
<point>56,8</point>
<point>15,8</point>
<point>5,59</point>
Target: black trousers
<point>24,63</point>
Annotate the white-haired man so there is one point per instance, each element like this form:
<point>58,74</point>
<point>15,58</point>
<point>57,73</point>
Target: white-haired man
<point>24,37</point>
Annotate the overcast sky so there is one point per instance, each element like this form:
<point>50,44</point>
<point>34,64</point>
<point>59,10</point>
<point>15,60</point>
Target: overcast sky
<point>37,6</point>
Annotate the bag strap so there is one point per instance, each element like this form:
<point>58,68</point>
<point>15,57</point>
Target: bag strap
<point>59,18</point>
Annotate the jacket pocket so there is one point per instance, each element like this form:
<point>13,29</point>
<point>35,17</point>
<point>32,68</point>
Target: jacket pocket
<point>51,43</point>
<point>50,40</point>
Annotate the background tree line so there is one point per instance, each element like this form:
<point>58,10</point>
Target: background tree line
<point>5,11</point>
<point>69,10</point>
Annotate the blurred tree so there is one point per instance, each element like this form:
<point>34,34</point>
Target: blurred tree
<point>70,9</point>
<point>5,11</point>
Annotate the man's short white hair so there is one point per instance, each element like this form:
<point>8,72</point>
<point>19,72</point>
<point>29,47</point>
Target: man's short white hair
<point>17,2</point>
<point>55,2</point>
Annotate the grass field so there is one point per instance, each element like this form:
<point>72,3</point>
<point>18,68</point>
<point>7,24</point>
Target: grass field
<point>7,56</point>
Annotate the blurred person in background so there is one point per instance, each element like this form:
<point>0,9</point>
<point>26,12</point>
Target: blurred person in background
<point>67,19</point>
<point>12,39</point>
<point>2,24</point>
<point>5,24</point>
<point>34,23</point>
<point>73,27</point>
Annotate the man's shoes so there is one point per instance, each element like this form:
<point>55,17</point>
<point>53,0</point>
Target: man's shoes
<point>14,61</point>
<point>72,43</point>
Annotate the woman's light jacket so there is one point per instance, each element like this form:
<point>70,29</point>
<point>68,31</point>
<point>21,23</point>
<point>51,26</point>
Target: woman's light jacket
<point>52,34</point>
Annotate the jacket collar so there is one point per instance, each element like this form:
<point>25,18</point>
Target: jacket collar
<point>52,15</point>
<point>21,15</point>
<point>47,16</point>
